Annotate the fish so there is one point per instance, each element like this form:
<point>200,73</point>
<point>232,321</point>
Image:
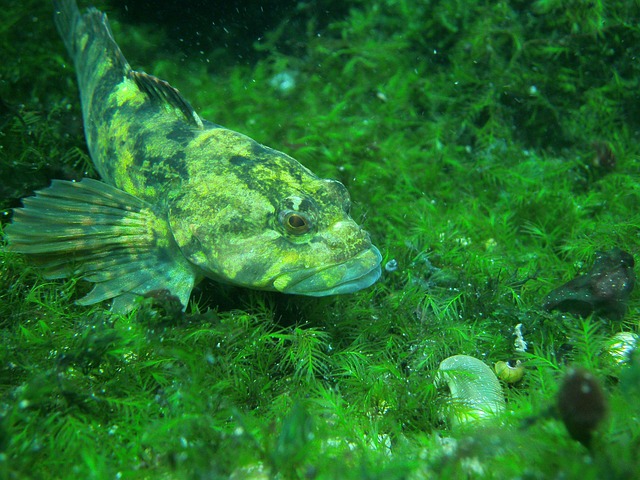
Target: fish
<point>181,198</point>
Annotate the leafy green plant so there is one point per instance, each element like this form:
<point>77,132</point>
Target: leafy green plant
<point>490,148</point>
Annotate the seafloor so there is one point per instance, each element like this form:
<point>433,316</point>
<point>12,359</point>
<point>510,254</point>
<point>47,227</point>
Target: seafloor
<point>491,148</point>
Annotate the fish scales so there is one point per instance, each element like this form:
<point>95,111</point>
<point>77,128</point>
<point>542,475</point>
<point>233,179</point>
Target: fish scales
<point>182,198</point>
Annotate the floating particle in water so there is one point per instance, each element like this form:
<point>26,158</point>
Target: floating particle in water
<point>391,265</point>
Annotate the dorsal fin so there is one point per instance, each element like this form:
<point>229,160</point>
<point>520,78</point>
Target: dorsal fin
<point>161,91</point>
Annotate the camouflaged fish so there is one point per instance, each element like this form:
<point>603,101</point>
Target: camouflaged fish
<point>182,198</point>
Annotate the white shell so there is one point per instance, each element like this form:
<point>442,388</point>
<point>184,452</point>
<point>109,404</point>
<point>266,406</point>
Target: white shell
<point>475,390</point>
<point>622,345</point>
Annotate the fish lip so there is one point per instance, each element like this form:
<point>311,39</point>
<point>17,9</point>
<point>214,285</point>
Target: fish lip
<point>302,281</point>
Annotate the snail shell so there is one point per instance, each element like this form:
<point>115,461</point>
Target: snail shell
<point>622,345</point>
<point>509,373</point>
<point>475,390</point>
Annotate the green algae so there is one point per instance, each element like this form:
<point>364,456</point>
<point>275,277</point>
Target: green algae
<point>491,149</point>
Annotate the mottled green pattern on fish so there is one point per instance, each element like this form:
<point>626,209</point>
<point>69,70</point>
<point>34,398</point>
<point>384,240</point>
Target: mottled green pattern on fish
<point>137,142</point>
<point>181,197</point>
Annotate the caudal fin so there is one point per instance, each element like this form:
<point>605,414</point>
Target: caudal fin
<point>89,41</point>
<point>95,231</point>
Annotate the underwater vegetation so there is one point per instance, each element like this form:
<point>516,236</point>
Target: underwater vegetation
<point>492,151</point>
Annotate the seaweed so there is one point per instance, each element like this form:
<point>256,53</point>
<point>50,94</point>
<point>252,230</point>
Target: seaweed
<point>491,149</point>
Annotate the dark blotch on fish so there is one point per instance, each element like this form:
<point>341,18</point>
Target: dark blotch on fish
<point>604,290</point>
<point>241,161</point>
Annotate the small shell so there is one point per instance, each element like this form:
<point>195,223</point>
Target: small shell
<point>509,373</point>
<point>475,390</point>
<point>622,346</point>
<point>391,265</point>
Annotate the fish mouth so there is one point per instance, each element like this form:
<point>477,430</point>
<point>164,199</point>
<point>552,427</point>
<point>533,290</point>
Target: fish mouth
<point>357,273</point>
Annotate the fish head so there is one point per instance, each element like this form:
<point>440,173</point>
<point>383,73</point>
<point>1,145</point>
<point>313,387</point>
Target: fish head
<point>280,229</point>
<point>322,250</point>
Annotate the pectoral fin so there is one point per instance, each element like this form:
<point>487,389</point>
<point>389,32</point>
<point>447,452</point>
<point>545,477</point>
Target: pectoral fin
<point>104,235</point>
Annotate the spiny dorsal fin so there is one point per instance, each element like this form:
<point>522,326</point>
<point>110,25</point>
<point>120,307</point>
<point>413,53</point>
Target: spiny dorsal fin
<point>105,235</point>
<point>160,90</point>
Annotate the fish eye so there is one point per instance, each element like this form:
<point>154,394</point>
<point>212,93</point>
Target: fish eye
<point>296,223</point>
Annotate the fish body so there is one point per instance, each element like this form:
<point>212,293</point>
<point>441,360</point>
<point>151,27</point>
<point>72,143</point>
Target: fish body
<point>182,198</point>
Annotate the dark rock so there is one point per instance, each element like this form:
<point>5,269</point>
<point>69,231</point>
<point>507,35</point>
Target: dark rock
<point>604,290</point>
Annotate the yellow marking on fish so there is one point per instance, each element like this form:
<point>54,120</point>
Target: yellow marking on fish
<point>128,92</point>
<point>84,39</point>
<point>123,177</point>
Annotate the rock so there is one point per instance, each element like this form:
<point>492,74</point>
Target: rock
<point>604,290</point>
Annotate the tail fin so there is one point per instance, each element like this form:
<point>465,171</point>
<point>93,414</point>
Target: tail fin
<point>67,16</point>
<point>88,38</point>
<point>105,235</point>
